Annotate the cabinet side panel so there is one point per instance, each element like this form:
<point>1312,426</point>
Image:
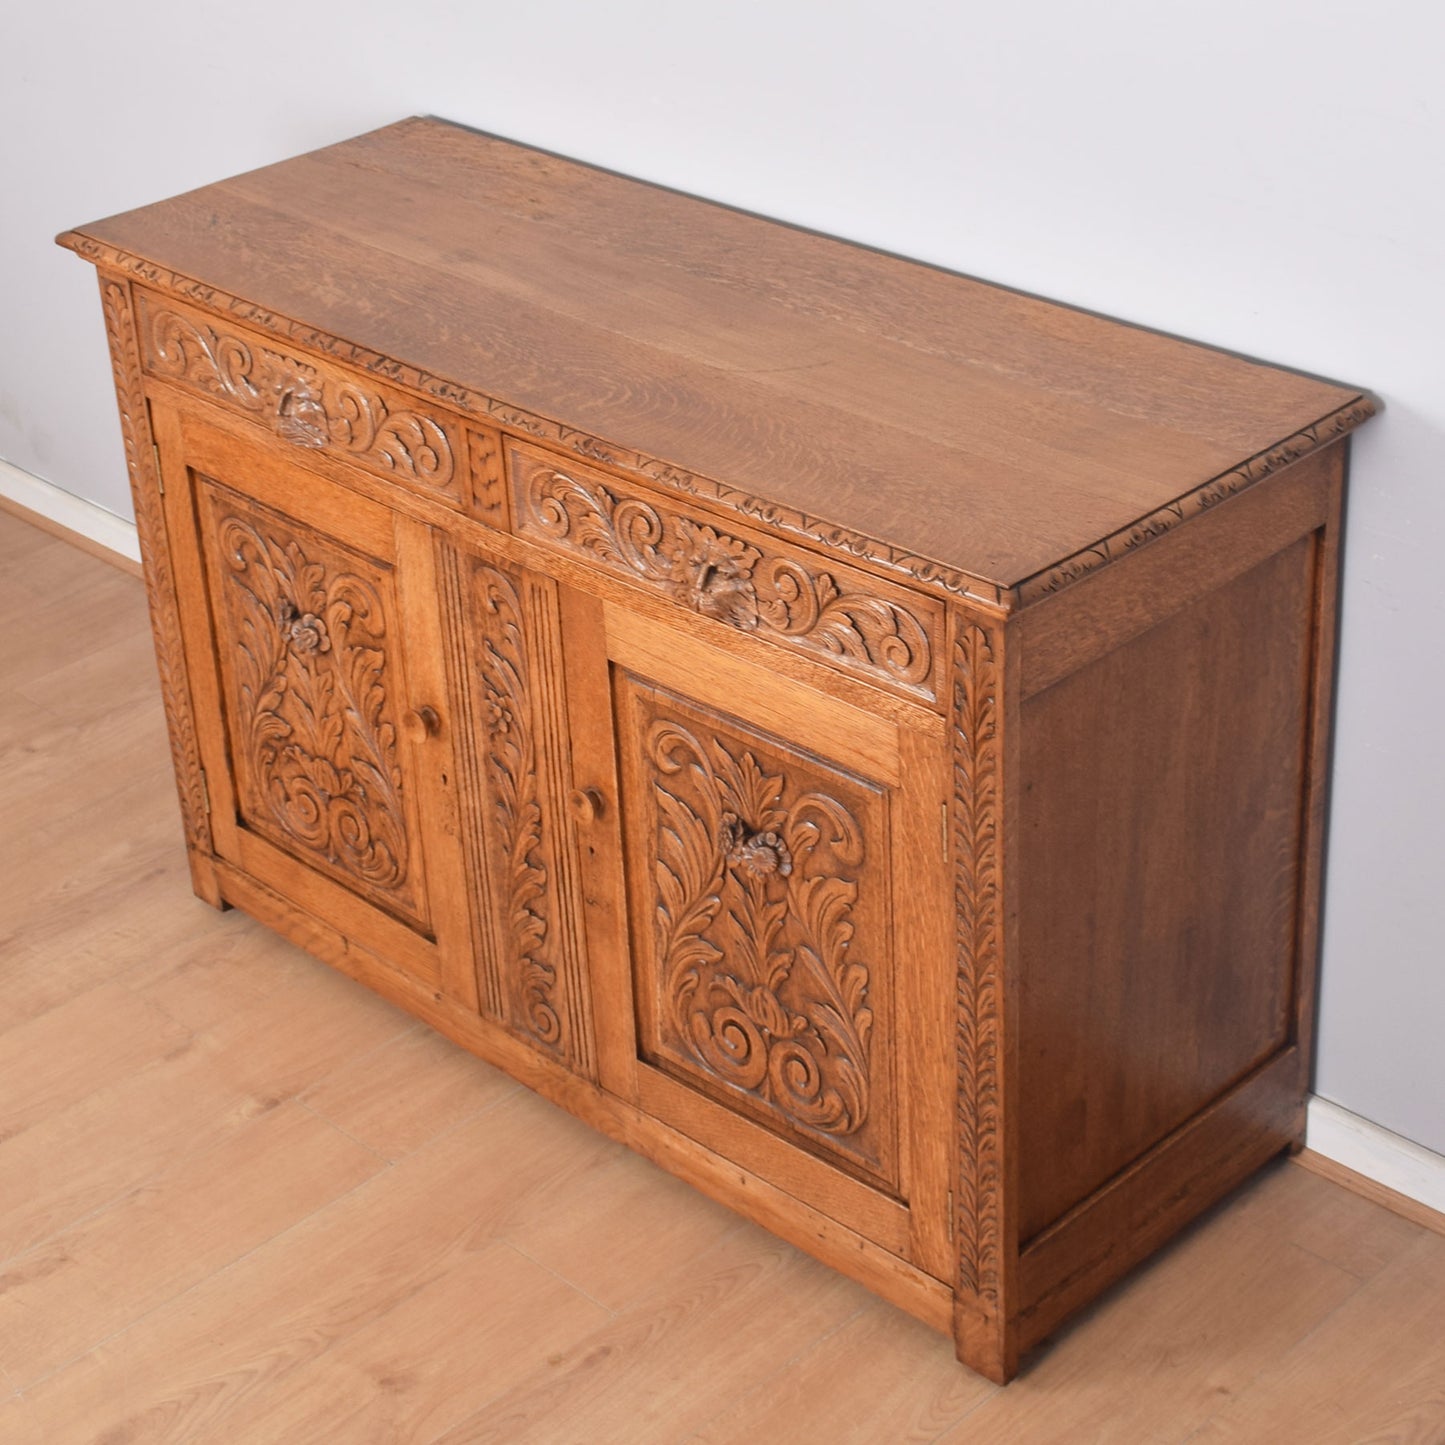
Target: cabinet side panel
<point>1160,855</point>
<point>159,578</point>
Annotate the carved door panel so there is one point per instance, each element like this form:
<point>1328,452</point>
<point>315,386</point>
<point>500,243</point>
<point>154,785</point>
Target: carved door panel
<point>329,763</point>
<point>521,850</point>
<point>780,994</point>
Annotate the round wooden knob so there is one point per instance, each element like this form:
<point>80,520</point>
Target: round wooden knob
<point>586,804</point>
<point>420,723</point>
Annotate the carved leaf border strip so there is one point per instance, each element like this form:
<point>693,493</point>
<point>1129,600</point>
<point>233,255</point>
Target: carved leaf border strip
<point>729,579</point>
<point>511,772</point>
<point>784,1014</point>
<point>160,580</point>
<point>304,406</point>
<point>976,822</point>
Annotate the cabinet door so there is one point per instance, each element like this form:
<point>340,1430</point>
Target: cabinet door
<point>775,984</point>
<point>313,640</point>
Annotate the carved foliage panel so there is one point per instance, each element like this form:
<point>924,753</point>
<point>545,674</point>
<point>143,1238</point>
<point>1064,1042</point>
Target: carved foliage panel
<point>535,986</point>
<point>766,978</point>
<point>310,662</point>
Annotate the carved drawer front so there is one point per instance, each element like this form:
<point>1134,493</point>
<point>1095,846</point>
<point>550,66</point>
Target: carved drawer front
<point>531,974</point>
<point>822,608</point>
<point>306,402</point>
<point>763,974</point>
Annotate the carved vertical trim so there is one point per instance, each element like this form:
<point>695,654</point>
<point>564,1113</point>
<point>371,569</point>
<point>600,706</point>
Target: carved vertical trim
<point>544,626</point>
<point>977,769</point>
<point>535,980</point>
<point>523,878</point>
<point>155,556</point>
<point>471,790</point>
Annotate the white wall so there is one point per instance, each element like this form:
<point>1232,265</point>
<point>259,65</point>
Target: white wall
<point>1263,174</point>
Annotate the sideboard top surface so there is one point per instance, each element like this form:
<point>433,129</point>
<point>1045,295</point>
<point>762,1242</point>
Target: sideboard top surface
<point>960,423</point>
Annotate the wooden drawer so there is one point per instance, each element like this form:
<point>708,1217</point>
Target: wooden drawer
<point>307,402</point>
<point>825,610</point>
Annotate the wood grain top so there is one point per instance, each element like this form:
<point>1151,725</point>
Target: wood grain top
<point>991,441</point>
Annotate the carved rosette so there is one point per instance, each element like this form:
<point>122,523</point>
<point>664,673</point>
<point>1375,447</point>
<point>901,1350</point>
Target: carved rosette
<point>315,735</point>
<point>520,872</point>
<point>304,405</point>
<point>160,580</point>
<point>977,767</point>
<point>730,579</point>
<point>760,986</point>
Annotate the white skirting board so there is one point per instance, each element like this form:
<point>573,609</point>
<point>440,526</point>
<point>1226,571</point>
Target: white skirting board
<point>67,510</point>
<point>1332,1131</point>
<point>1376,1153</point>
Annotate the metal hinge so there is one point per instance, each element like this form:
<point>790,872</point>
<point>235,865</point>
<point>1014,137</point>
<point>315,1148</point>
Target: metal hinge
<point>160,475</point>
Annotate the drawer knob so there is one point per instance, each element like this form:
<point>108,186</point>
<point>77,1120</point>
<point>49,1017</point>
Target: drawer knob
<point>586,804</point>
<point>421,723</point>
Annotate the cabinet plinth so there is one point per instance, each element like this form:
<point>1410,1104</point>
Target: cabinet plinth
<point>852,733</point>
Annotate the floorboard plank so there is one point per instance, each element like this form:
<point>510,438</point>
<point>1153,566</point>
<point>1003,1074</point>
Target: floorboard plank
<point>104,1273</point>
<point>1373,1371</point>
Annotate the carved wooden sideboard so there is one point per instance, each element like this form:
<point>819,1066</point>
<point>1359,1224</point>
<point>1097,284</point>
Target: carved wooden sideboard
<point>853,733</point>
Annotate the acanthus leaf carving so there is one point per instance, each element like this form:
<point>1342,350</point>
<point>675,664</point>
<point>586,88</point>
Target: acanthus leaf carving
<point>511,771</point>
<point>728,578</point>
<point>975,835</point>
<point>304,405</point>
<point>160,579</point>
<point>316,740</point>
<point>757,883</point>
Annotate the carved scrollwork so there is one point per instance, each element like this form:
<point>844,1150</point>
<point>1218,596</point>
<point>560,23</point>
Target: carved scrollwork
<point>757,882</point>
<point>728,578</point>
<point>511,773</point>
<point>316,741</point>
<point>304,405</point>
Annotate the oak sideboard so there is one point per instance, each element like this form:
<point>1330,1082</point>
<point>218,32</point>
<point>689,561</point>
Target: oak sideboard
<point>851,732</point>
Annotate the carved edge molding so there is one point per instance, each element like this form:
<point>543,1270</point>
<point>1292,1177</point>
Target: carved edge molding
<point>925,570</point>
<point>976,821</point>
<point>140,461</point>
<point>1201,499</point>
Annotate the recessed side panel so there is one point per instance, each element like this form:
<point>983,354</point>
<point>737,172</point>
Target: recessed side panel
<point>1161,834</point>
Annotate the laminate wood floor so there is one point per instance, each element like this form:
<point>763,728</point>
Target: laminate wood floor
<point>242,1199</point>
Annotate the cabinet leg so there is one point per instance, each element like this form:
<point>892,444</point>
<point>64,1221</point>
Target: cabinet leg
<point>204,882</point>
<point>985,1343</point>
